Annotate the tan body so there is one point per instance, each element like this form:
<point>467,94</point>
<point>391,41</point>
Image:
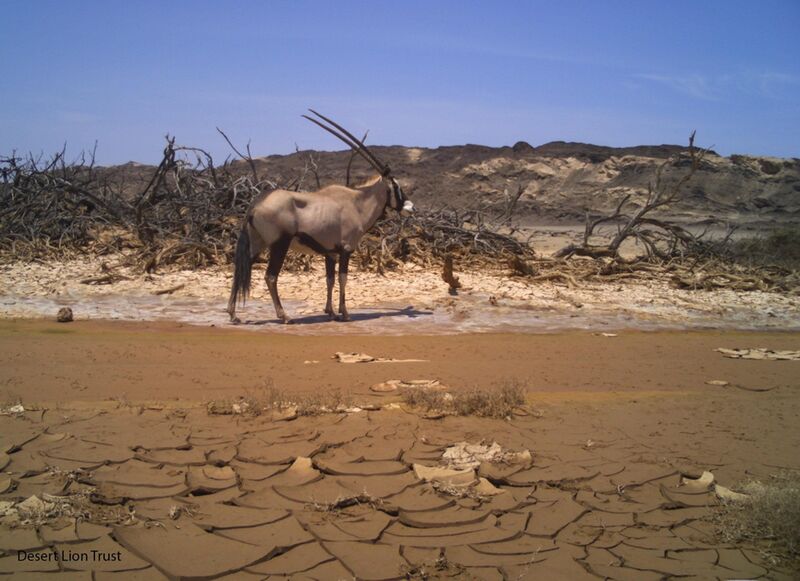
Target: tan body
<point>330,222</point>
<point>336,216</point>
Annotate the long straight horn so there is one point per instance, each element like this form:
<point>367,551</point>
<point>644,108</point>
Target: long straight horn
<point>352,145</point>
<point>379,165</point>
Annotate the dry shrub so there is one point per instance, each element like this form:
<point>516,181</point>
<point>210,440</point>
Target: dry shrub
<point>770,518</point>
<point>426,398</point>
<point>779,248</point>
<point>271,398</point>
<point>316,403</point>
<point>439,568</point>
<point>498,402</point>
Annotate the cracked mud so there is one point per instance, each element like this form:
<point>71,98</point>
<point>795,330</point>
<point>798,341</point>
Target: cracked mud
<point>191,495</point>
<point>605,476</point>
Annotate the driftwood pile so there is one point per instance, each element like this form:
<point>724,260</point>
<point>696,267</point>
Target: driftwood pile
<point>428,238</point>
<point>711,274</point>
<point>187,213</point>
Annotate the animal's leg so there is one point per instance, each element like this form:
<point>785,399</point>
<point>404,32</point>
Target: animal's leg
<point>277,254</point>
<point>344,262</point>
<point>330,279</point>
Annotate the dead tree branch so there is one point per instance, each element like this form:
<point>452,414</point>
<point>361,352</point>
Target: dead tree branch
<point>661,239</point>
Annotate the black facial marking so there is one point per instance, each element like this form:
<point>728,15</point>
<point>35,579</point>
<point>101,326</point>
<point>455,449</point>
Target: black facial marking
<point>398,196</point>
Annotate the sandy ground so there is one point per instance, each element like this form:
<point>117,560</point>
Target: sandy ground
<point>116,419</point>
<point>45,362</point>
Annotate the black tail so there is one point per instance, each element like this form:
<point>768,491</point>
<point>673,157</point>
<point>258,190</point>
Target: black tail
<point>243,265</point>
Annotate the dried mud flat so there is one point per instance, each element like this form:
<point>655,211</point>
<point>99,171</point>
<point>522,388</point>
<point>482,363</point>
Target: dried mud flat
<point>128,461</point>
<point>116,469</point>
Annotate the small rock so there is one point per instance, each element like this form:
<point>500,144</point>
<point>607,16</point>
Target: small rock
<point>703,483</point>
<point>64,315</point>
<point>718,382</point>
<point>486,488</point>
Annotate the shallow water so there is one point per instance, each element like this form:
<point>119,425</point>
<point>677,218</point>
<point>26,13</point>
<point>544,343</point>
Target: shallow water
<point>464,314</point>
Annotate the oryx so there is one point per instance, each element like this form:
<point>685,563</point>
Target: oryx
<point>330,221</point>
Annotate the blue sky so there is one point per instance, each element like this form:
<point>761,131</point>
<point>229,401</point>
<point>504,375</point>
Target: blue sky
<point>414,73</point>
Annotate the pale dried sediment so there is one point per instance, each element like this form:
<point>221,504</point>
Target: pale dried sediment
<point>33,290</point>
<point>761,353</point>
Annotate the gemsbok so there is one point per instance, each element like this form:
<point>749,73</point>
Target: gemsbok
<point>330,222</point>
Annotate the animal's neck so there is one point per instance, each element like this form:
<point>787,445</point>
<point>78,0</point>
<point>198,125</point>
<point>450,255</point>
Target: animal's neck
<point>372,201</point>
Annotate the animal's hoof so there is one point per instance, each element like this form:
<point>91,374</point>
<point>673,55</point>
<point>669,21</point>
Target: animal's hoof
<point>343,318</point>
<point>236,321</point>
<point>287,321</point>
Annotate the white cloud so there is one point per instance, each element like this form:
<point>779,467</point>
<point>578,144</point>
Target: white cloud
<point>768,84</point>
<point>697,86</point>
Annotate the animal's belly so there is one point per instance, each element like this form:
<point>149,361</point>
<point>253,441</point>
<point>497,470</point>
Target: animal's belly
<point>309,245</point>
<point>301,248</point>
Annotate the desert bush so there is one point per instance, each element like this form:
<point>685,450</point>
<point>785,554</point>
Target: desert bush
<point>269,398</point>
<point>499,402</point>
<point>779,248</point>
<point>770,518</point>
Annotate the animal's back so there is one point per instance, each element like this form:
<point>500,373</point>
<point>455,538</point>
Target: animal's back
<point>323,217</point>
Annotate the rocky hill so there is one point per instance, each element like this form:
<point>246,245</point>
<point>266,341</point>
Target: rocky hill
<point>560,181</point>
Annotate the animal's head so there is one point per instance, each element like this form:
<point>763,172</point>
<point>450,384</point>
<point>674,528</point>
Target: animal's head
<point>397,199</point>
